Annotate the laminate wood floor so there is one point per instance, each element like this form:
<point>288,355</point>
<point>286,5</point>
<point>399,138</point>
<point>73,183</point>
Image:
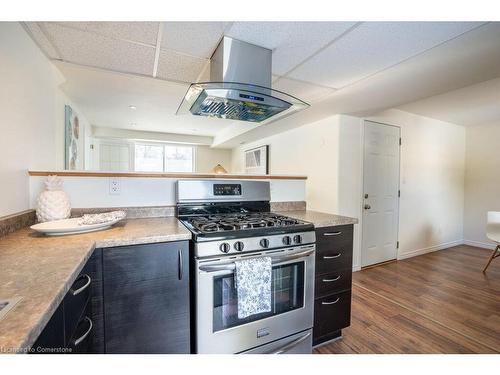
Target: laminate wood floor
<point>439,302</point>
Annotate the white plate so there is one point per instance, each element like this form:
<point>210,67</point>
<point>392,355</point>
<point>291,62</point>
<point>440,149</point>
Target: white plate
<point>70,226</point>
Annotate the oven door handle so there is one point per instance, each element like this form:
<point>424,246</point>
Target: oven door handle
<point>290,345</point>
<point>231,266</point>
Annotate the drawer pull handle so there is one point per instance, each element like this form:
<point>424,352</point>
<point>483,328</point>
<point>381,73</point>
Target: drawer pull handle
<point>332,233</point>
<point>79,340</point>
<point>332,256</point>
<point>331,303</point>
<point>79,290</point>
<point>331,280</point>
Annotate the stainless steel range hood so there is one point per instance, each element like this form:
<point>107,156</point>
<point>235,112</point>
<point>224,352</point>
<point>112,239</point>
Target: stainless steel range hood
<point>240,87</point>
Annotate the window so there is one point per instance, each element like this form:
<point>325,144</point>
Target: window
<point>178,159</point>
<point>149,158</point>
<point>114,157</point>
<point>163,158</point>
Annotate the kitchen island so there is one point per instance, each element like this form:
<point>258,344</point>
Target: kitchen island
<point>41,270</point>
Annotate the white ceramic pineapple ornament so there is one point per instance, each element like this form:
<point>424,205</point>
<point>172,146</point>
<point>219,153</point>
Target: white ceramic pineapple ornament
<point>53,203</point>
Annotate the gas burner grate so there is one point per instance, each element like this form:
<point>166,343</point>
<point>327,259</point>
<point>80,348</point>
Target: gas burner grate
<point>232,222</point>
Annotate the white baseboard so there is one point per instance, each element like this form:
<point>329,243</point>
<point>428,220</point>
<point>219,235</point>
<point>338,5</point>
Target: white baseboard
<point>430,249</point>
<point>483,245</point>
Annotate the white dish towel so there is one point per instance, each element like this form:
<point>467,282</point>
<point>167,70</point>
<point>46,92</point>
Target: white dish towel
<point>253,284</point>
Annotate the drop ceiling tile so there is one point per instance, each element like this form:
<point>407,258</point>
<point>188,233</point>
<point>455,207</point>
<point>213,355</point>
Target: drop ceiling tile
<point>193,38</point>
<point>179,67</point>
<point>303,90</point>
<point>41,40</point>
<point>94,50</point>
<point>375,46</point>
<point>291,42</point>
<point>142,32</point>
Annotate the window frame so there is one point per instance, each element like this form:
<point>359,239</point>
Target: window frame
<point>165,145</point>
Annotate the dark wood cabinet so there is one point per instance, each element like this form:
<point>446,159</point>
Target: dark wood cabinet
<point>333,282</point>
<point>146,298</point>
<point>70,329</point>
<point>51,339</point>
<point>130,299</point>
<point>332,314</point>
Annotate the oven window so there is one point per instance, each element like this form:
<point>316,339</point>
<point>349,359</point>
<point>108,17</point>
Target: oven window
<point>287,295</point>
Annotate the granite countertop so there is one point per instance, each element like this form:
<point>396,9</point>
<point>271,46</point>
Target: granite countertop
<point>320,219</point>
<point>41,270</point>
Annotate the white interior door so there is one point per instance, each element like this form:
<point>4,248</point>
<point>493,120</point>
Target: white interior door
<point>381,193</point>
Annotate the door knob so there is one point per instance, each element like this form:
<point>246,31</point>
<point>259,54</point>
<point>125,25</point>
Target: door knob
<point>367,206</point>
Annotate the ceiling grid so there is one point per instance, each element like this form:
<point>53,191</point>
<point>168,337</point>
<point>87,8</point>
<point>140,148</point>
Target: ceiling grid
<point>332,65</point>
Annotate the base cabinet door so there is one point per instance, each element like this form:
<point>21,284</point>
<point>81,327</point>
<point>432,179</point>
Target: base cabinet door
<point>51,339</point>
<point>146,298</point>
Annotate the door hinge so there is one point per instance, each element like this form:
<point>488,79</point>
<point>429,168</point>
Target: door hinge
<point>399,193</point>
<point>397,245</point>
<point>400,142</point>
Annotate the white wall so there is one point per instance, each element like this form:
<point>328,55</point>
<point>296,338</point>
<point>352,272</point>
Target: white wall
<point>29,104</point>
<point>32,108</point>
<point>207,158</point>
<point>108,132</point>
<point>85,192</point>
<point>330,153</point>
<point>432,182</point>
<point>482,181</point>
<point>310,150</point>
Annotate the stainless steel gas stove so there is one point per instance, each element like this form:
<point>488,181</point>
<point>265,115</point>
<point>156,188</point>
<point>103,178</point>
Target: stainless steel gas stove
<point>231,220</point>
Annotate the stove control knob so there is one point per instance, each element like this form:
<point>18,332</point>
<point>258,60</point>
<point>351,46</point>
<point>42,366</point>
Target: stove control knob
<point>297,239</point>
<point>238,246</point>
<point>287,240</point>
<point>264,243</point>
<point>224,247</point>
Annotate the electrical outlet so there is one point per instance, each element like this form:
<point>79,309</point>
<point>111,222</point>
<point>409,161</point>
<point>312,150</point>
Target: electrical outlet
<point>114,186</point>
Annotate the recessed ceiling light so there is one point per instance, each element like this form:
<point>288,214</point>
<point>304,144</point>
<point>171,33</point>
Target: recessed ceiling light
<point>133,107</point>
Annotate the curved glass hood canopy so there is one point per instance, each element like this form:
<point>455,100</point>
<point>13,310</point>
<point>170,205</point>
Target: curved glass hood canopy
<point>240,75</point>
<point>239,101</point>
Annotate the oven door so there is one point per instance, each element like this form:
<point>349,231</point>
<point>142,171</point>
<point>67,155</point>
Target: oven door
<point>218,329</point>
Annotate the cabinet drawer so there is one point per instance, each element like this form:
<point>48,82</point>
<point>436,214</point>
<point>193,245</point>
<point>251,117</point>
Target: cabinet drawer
<point>331,313</point>
<point>76,300</point>
<point>81,341</point>
<point>132,264</point>
<point>334,260</point>
<point>334,282</point>
<point>332,237</point>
